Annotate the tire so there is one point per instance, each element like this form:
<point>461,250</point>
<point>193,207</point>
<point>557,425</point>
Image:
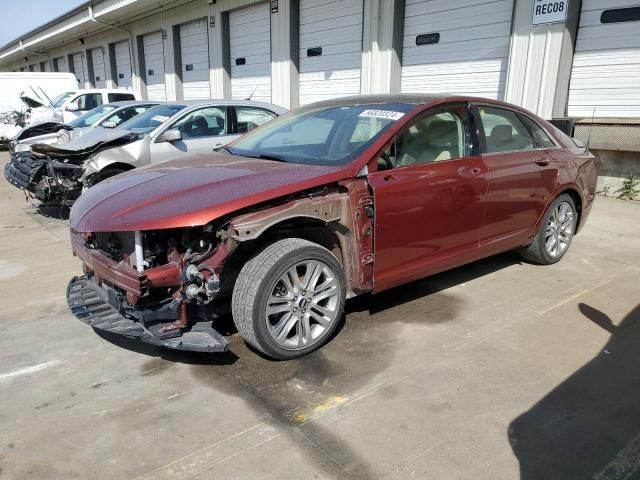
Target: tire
<point>543,250</point>
<point>103,175</point>
<point>268,281</point>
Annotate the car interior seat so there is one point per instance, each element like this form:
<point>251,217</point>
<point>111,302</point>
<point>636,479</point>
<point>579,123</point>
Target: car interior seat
<point>440,140</point>
<point>196,127</point>
<point>502,139</point>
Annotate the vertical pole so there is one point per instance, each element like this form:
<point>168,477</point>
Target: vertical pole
<point>139,251</point>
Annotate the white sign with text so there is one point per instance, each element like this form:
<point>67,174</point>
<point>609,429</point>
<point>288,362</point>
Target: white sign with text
<point>549,11</point>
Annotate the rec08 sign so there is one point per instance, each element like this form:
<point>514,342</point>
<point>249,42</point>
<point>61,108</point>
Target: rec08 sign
<point>549,11</point>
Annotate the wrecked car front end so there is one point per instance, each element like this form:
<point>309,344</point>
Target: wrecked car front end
<point>162,247</point>
<point>150,285</point>
<point>54,174</point>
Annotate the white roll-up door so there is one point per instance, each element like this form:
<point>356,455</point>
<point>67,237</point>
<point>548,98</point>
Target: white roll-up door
<point>61,64</point>
<point>78,68</point>
<point>606,63</point>
<point>459,47</point>
<point>194,53</point>
<point>330,49</point>
<point>99,72</point>
<point>123,64</point>
<point>153,46</point>
<point>250,52</point>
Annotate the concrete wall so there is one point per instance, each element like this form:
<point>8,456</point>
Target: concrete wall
<point>614,167</point>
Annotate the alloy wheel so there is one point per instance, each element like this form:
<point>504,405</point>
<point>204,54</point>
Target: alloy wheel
<point>303,304</point>
<point>560,228</point>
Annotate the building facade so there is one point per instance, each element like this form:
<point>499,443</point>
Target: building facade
<point>558,58</point>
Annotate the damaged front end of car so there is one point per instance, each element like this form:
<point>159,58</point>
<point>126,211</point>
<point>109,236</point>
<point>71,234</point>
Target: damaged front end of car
<point>55,174</point>
<point>170,287</point>
<point>151,285</point>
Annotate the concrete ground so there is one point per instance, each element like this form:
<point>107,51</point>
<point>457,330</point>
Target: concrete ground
<point>497,370</point>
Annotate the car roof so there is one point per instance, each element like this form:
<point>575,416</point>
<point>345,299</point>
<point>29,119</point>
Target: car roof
<point>406,98</point>
<point>104,90</point>
<point>228,101</point>
<point>130,103</point>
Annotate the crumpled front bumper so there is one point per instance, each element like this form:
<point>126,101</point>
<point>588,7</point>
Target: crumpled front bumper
<point>41,178</point>
<point>97,307</point>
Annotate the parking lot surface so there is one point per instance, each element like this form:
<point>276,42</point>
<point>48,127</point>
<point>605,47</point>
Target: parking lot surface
<point>498,370</point>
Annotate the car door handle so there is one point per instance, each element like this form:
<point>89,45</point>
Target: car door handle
<point>389,178</point>
<point>469,172</point>
<point>543,162</point>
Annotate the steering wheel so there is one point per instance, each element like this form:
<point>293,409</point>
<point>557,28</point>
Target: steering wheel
<point>386,163</point>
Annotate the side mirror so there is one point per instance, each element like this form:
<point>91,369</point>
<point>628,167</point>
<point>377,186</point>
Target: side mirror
<point>109,125</point>
<point>172,135</point>
<point>73,107</point>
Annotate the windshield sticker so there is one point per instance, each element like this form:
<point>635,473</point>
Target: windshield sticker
<point>388,114</point>
<point>160,118</point>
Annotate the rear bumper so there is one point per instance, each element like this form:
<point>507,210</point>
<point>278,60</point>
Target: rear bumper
<point>92,304</point>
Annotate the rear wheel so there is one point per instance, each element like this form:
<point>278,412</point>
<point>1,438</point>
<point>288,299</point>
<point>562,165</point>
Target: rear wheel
<point>555,233</point>
<point>289,298</point>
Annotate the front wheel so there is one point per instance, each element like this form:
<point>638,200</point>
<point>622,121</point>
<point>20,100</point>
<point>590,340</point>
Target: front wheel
<point>555,233</point>
<point>288,299</point>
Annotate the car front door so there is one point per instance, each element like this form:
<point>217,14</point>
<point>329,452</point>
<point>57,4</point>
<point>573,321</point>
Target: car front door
<point>201,131</point>
<point>81,104</point>
<point>428,194</point>
<point>522,175</point>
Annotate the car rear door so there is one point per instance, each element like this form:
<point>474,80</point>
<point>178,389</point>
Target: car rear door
<point>428,194</point>
<point>521,174</point>
<point>202,130</point>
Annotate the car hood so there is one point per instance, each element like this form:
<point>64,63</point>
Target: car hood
<point>190,192</point>
<point>82,146</point>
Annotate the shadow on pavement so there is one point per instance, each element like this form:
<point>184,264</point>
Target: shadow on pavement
<point>365,347</point>
<point>589,426</point>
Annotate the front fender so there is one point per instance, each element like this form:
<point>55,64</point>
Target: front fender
<point>135,154</point>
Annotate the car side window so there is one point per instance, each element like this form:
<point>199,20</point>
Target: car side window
<point>205,122</point>
<point>432,137</point>
<point>504,131</point>
<point>89,101</point>
<point>540,136</point>
<point>249,118</point>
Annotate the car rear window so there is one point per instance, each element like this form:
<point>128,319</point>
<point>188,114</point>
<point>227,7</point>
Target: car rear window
<point>120,97</point>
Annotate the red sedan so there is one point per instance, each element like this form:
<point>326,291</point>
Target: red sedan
<point>327,202</point>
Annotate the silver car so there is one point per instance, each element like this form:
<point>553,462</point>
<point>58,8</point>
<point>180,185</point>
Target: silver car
<point>177,129</point>
<point>110,115</point>
<point>57,174</point>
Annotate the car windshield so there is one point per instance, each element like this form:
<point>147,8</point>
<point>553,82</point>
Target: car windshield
<point>125,114</point>
<point>60,99</point>
<point>92,116</point>
<point>329,136</point>
<point>152,118</point>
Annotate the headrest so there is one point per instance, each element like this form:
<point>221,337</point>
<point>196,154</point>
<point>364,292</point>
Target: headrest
<point>199,122</point>
<point>501,133</point>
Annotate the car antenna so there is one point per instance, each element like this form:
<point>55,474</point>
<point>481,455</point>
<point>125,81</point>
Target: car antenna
<point>593,115</point>
<point>254,91</point>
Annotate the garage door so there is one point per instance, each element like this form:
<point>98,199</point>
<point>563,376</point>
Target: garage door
<point>78,69</point>
<point>60,64</point>
<point>123,64</point>
<point>250,52</point>
<point>153,48</point>
<point>99,74</point>
<point>606,63</point>
<point>461,50</point>
<point>194,52</point>
<point>330,49</point>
